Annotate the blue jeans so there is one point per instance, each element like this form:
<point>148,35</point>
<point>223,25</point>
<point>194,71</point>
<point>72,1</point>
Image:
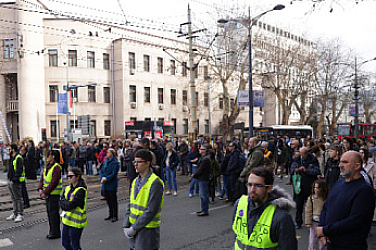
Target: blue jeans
<point>193,181</point>
<point>72,162</point>
<point>89,167</point>
<point>231,181</point>
<point>162,174</point>
<point>71,237</point>
<point>224,187</point>
<point>171,178</point>
<point>204,194</point>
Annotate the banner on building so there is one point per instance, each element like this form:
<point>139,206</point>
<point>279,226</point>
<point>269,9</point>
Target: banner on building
<point>352,110</point>
<point>243,98</point>
<point>258,98</point>
<point>5,126</point>
<point>62,103</point>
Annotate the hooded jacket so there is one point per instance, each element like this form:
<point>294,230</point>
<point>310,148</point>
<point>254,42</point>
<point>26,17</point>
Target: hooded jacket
<point>255,159</point>
<point>283,228</point>
<point>331,172</point>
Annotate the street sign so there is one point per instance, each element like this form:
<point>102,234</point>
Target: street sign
<point>129,123</point>
<point>168,123</point>
<point>84,124</point>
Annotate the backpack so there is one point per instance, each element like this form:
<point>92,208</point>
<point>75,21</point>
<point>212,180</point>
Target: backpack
<point>241,163</point>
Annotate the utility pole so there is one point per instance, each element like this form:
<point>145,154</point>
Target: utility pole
<point>192,87</point>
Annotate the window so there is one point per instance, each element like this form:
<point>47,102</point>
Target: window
<point>220,102</point>
<point>133,119</point>
<point>185,97</point>
<point>107,128</point>
<point>53,126</point>
<point>198,126</point>
<point>147,63</point>
<point>147,119</point>
<point>160,95</point>
<point>91,93</point>
<point>91,59</point>
<point>173,96</point>
<point>206,71</point>
<point>73,124</point>
<point>174,120</point>
<point>160,65</point>
<point>106,95</point>
<point>172,66</point>
<point>93,128</point>
<point>52,55</point>
<point>132,93</point>
<point>132,62</point>
<point>106,61</point>
<point>161,119</point>
<point>206,99</point>
<point>8,49</point>
<point>74,93</point>
<point>147,94</point>
<point>185,126</point>
<point>72,58</point>
<point>206,126</point>
<point>54,92</point>
<point>184,69</point>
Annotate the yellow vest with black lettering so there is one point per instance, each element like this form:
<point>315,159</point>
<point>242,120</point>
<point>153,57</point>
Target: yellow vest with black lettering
<point>47,178</point>
<point>22,178</point>
<point>138,205</point>
<point>260,236</point>
<point>76,217</point>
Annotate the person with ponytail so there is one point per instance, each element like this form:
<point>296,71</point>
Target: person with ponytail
<point>73,203</point>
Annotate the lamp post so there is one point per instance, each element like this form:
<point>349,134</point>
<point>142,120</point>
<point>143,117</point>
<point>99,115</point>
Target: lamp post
<point>248,24</point>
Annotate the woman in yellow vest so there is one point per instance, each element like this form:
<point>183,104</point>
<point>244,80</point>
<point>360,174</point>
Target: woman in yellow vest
<point>73,204</point>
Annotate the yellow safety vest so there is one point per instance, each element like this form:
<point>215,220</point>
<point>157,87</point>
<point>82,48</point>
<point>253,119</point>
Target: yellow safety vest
<point>260,237</point>
<point>22,178</point>
<point>76,217</point>
<point>47,178</point>
<point>138,205</point>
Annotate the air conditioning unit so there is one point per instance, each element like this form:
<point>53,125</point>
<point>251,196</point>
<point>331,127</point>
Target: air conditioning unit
<point>132,71</point>
<point>161,106</point>
<point>185,109</point>
<point>133,105</point>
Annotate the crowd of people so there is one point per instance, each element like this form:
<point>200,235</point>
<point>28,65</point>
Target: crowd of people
<point>239,173</point>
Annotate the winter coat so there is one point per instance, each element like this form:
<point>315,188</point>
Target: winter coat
<point>281,155</point>
<point>110,170</point>
<point>173,161</point>
<point>203,170</point>
<point>313,208</point>
<point>282,229</point>
<point>255,159</point>
<point>232,166</point>
<point>183,148</point>
<point>312,170</point>
<point>332,172</point>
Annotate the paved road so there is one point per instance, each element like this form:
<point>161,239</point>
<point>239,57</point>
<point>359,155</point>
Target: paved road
<point>181,229</point>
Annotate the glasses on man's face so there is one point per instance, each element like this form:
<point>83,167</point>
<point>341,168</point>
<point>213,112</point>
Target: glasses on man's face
<point>70,176</point>
<point>256,185</point>
<point>138,162</point>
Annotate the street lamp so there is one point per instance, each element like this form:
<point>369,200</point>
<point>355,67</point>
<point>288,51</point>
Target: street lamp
<point>248,23</point>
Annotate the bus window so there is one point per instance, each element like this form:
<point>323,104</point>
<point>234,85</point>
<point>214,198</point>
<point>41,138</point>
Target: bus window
<point>344,129</point>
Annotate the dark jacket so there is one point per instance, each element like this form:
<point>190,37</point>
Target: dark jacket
<point>255,159</point>
<point>332,172</point>
<point>79,198</point>
<point>14,175</point>
<point>159,156</point>
<point>312,170</point>
<point>183,148</point>
<point>191,156</point>
<point>281,154</point>
<point>219,157</point>
<point>110,170</point>
<point>30,162</point>
<point>283,228</point>
<point>203,170</point>
<point>232,165</point>
<point>173,161</point>
<point>131,170</point>
<point>225,163</point>
<point>90,154</point>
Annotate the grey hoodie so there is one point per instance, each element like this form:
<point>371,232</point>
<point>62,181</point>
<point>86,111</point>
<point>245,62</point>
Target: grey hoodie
<point>283,228</point>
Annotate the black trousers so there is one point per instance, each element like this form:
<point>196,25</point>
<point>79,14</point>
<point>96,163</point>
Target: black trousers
<point>111,198</point>
<point>80,164</point>
<point>300,200</point>
<point>25,195</point>
<point>52,204</point>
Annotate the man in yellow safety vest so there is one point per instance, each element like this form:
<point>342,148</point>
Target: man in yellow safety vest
<point>261,219</point>
<point>143,217</point>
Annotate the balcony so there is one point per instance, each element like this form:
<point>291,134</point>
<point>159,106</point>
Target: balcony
<point>12,106</point>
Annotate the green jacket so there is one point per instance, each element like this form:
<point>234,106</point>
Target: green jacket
<point>255,159</point>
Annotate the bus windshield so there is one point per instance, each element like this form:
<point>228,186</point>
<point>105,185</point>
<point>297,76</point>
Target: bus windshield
<point>344,129</point>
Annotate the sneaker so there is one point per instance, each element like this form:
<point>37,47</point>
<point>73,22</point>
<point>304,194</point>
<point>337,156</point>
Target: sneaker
<point>11,217</point>
<point>190,195</point>
<point>220,197</point>
<point>168,192</point>
<point>175,193</point>
<point>19,218</point>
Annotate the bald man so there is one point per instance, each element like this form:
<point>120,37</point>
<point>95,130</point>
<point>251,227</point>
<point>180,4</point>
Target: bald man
<point>347,214</point>
<point>308,167</point>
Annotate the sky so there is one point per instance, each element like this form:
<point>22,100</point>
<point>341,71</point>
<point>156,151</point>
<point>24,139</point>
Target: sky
<point>354,23</point>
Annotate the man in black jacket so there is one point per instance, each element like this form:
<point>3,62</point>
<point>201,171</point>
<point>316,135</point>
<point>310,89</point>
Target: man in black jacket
<point>202,176</point>
<point>232,172</point>
<point>183,152</point>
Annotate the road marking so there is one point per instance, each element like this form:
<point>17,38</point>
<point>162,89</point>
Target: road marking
<point>5,242</point>
<point>215,208</point>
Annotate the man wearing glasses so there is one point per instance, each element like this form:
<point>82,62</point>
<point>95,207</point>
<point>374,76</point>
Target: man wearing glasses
<point>143,216</point>
<point>261,219</point>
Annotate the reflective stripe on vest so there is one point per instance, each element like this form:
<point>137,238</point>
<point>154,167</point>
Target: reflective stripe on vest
<point>76,217</point>
<point>22,178</point>
<point>138,205</point>
<point>47,178</point>
<point>260,236</point>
